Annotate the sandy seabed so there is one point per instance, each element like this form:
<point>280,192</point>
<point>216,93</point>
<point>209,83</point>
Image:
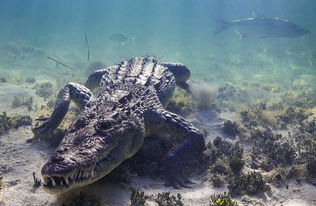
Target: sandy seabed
<point>19,159</point>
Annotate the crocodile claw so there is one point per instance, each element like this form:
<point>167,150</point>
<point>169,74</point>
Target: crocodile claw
<point>41,130</point>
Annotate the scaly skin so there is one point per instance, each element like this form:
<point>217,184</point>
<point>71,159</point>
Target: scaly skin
<point>112,126</point>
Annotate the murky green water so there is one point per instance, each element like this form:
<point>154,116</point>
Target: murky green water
<point>172,31</point>
<point>62,41</point>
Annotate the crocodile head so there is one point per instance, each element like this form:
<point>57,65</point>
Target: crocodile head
<point>90,150</point>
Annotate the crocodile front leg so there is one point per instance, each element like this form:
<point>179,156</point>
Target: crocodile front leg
<point>181,74</point>
<point>95,78</point>
<point>72,91</point>
<point>188,151</point>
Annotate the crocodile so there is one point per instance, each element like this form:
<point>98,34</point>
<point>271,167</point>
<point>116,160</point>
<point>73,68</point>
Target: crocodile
<point>112,125</point>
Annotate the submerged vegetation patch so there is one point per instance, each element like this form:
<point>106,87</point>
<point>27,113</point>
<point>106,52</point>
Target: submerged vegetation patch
<point>37,181</point>
<point>236,164</point>
<point>80,199</point>
<point>8,122</point>
<point>230,128</point>
<point>224,160</point>
<point>138,197</point>
<point>3,80</point>
<point>44,90</point>
<point>311,167</point>
<point>30,80</point>
<point>165,199</point>
<point>1,182</point>
<point>222,199</point>
<point>182,103</point>
<point>251,184</point>
<point>23,101</point>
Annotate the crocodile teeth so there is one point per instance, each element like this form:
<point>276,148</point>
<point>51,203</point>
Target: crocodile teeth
<point>53,182</point>
<point>92,173</point>
<point>66,180</point>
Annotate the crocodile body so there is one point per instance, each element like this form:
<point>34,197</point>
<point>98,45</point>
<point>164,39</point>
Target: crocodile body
<point>112,126</point>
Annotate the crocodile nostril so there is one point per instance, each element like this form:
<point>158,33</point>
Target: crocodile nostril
<point>56,158</point>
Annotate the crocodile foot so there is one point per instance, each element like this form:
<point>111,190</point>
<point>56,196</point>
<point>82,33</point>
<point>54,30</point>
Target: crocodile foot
<point>41,130</point>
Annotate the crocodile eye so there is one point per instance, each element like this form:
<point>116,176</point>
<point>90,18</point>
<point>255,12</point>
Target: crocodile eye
<point>104,125</point>
<point>80,123</point>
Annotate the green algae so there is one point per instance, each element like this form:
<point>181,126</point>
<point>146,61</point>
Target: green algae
<point>23,101</point>
<point>7,122</point>
<point>236,164</point>
<point>222,199</point>
<point>138,197</point>
<point>165,199</point>
<point>252,183</point>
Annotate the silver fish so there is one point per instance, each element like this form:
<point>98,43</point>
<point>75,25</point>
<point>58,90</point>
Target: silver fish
<point>262,27</point>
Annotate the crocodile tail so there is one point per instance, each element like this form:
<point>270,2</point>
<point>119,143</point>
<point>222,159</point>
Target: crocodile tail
<point>221,25</point>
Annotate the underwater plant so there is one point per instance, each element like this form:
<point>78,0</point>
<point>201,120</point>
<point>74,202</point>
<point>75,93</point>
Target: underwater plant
<point>220,166</point>
<point>297,171</point>
<point>220,154</point>
<point>3,80</point>
<point>222,199</point>
<point>15,79</point>
<point>138,197</point>
<point>18,121</point>
<point>7,122</point>
<point>37,182</point>
<point>30,80</point>
<point>80,199</point>
<point>311,167</point>
<point>291,116</point>
<point>236,164</point>
<point>44,90</point>
<point>272,149</point>
<point>251,184</point>
<point>222,147</point>
<point>1,182</point>
<point>181,103</point>
<point>165,199</point>
<point>21,101</point>
<point>230,128</point>
<point>217,180</point>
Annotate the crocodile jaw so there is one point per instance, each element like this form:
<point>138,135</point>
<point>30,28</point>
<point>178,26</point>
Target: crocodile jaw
<point>59,183</point>
<point>64,171</point>
<point>54,184</point>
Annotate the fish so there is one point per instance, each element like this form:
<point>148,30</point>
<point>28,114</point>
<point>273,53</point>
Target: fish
<point>120,38</point>
<point>262,27</point>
